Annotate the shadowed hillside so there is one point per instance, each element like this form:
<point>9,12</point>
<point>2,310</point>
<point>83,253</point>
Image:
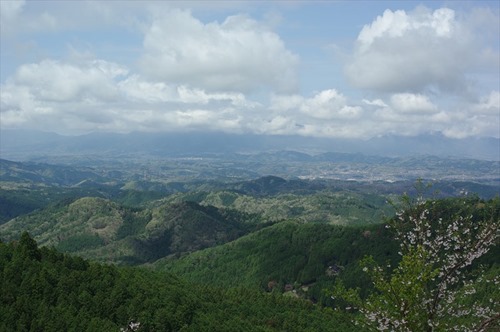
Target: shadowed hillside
<point>101,229</point>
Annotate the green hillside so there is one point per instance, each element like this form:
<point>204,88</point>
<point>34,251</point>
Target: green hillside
<point>44,290</point>
<point>104,230</point>
<point>309,257</point>
<point>326,206</point>
<point>214,268</point>
<point>303,255</point>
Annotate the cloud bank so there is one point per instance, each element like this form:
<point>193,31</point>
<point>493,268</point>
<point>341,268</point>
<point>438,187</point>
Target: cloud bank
<point>417,72</point>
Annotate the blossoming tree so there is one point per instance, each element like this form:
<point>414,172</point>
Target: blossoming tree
<point>434,287</point>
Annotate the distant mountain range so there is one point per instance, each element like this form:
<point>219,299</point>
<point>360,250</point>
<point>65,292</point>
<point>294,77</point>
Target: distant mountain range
<point>30,145</point>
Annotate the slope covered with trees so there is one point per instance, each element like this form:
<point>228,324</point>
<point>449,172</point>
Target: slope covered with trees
<point>341,207</point>
<point>288,255</point>
<point>107,231</point>
<point>239,255</point>
<point>44,290</point>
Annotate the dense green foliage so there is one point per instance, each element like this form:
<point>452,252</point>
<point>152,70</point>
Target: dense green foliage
<point>13,204</point>
<point>109,231</point>
<point>308,256</point>
<point>328,206</point>
<point>43,290</point>
<point>104,230</point>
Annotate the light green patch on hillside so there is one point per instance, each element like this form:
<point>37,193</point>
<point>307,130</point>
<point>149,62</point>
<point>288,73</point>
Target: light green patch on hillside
<point>85,223</point>
<point>97,215</point>
<point>339,208</point>
<point>103,230</point>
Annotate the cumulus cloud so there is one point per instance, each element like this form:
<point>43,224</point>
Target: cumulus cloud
<point>396,24</point>
<point>412,103</point>
<point>414,52</point>
<point>326,113</point>
<point>94,94</point>
<point>99,95</point>
<point>330,104</point>
<point>326,105</point>
<point>238,54</point>
<point>474,119</point>
<point>53,95</point>
<point>55,81</point>
<point>196,75</point>
<point>416,114</point>
<point>140,90</point>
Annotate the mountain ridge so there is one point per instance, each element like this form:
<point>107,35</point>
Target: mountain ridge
<point>97,227</point>
<point>19,144</point>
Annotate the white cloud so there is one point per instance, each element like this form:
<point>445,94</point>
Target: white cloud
<point>474,119</point>
<point>276,125</point>
<point>101,96</point>
<point>412,103</point>
<point>414,52</point>
<point>326,113</point>
<point>199,96</point>
<point>281,103</point>
<point>489,104</point>
<point>482,118</point>
<point>91,94</point>
<point>375,102</point>
<point>415,114</point>
<point>51,80</point>
<point>326,105</point>
<point>13,101</point>
<point>396,24</point>
<point>198,75</point>
<point>329,104</point>
<point>237,55</point>
<point>137,89</point>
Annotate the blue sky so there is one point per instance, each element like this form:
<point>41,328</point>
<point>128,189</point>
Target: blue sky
<point>352,69</point>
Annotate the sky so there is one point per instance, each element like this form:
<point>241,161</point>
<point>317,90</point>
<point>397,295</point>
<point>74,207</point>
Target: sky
<point>340,69</point>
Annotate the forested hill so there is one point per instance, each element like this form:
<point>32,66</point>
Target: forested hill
<point>104,230</point>
<point>291,256</point>
<point>44,290</point>
<point>262,281</point>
